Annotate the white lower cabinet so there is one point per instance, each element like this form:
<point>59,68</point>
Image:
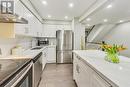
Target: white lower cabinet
<point>44,58</point>
<point>32,29</point>
<point>51,57</point>
<point>85,76</point>
<point>97,81</point>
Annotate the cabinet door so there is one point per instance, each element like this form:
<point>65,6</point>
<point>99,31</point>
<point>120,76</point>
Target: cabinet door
<point>49,30</point>
<point>27,15</point>
<point>18,9</point>
<point>51,58</point>
<point>84,74</point>
<point>75,69</point>
<point>81,74</point>
<point>44,58</point>
<point>97,81</point>
<point>31,24</point>
<point>19,28</point>
<point>39,25</point>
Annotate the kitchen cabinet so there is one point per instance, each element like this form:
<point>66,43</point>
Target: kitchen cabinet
<point>22,29</point>
<point>39,29</point>
<point>81,74</point>
<point>44,58</point>
<point>32,29</point>
<point>51,54</point>
<point>97,81</point>
<point>85,76</point>
<point>49,30</point>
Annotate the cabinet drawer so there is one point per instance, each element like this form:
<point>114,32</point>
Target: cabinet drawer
<point>97,81</point>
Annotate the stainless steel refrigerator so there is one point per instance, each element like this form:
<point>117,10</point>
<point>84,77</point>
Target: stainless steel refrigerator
<point>64,46</point>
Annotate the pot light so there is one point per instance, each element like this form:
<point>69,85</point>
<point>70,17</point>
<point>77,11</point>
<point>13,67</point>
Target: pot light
<point>88,25</point>
<point>19,17</point>
<point>66,17</point>
<point>105,20</point>
<point>71,5</point>
<point>121,21</point>
<point>44,2</point>
<point>88,19</point>
<point>49,16</point>
<point>109,6</point>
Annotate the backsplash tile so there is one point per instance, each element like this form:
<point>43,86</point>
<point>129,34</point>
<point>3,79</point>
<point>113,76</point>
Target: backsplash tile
<point>7,44</point>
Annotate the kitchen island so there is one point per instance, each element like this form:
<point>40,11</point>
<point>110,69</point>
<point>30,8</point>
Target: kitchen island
<point>91,70</point>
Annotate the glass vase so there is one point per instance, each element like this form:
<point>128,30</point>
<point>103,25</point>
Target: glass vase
<point>112,57</point>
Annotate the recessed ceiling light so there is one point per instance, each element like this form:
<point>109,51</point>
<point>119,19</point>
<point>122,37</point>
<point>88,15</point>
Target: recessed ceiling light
<point>44,2</point>
<point>66,17</point>
<point>49,16</point>
<point>19,17</point>
<point>88,19</point>
<point>105,20</point>
<point>121,21</point>
<point>109,6</point>
<point>71,5</point>
<point>88,25</point>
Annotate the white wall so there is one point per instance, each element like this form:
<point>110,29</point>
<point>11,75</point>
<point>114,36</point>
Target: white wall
<point>120,35</point>
<point>99,31</point>
<point>79,32</point>
<point>112,34</point>
<point>96,35</point>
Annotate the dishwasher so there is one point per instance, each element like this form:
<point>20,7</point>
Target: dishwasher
<point>37,69</point>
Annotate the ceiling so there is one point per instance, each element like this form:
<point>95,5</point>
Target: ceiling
<point>58,9</point>
<point>116,11</point>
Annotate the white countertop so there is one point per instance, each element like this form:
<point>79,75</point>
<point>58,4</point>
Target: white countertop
<point>117,73</point>
<point>27,53</point>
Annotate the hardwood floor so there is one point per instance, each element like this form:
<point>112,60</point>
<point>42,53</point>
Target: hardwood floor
<point>57,75</point>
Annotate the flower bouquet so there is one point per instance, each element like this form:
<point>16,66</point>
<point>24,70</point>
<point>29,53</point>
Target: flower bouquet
<point>112,52</point>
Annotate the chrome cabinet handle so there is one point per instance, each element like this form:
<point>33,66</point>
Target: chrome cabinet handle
<point>78,57</point>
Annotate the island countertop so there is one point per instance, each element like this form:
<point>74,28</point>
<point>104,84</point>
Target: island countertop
<point>116,73</point>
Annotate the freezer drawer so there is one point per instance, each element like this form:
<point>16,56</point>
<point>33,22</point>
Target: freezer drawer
<point>64,56</point>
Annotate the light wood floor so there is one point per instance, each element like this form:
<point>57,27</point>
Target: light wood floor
<point>57,75</point>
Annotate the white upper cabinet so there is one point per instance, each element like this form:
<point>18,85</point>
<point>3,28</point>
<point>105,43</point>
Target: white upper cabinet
<point>49,30</point>
<point>18,9</point>
<point>32,29</point>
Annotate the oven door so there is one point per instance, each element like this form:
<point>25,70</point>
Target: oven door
<point>23,78</point>
<point>26,81</point>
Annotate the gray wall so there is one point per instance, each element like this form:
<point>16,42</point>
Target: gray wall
<point>112,34</point>
<point>120,34</point>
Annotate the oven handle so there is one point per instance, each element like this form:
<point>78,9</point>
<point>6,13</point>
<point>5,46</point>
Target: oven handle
<point>37,57</point>
<point>22,75</point>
